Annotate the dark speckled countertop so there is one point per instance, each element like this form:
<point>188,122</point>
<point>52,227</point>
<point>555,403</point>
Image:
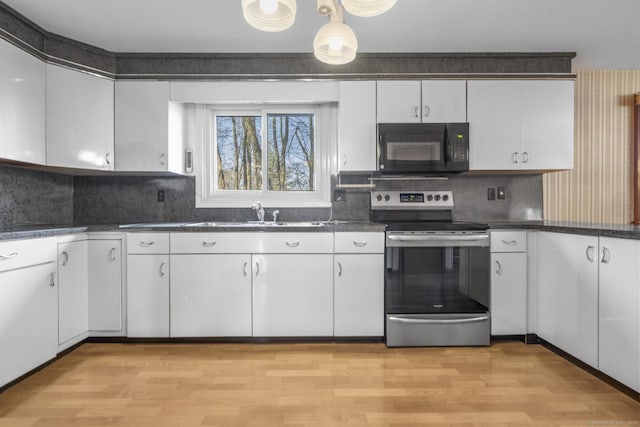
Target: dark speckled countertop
<point>609,230</point>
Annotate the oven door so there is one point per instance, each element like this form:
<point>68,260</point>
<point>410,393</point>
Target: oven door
<point>437,288</point>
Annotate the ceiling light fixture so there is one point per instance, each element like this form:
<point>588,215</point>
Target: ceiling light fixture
<point>336,42</point>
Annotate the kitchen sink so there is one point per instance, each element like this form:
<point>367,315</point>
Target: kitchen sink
<point>256,224</point>
<point>153,225</point>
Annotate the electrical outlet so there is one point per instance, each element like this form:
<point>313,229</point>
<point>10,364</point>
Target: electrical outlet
<point>160,195</point>
<point>491,193</point>
<point>501,195</point>
<point>339,196</point>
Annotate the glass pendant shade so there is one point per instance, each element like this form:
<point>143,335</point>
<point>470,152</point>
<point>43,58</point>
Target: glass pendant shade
<point>367,8</point>
<point>335,44</point>
<point>269,15</point>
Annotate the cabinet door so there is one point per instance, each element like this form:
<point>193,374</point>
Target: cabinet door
<point>292,295</point>
<point>509,293</point>
<point>79,119</point>
<point>619,353</point>
<point>22,105</point>
<point>105,285</point>
<point>357,126</point>
<point>148,296</point>
<point>359,295</point>
<point>73,292</point>
<point>568,293</point>
<point>211,295</point>
<point>547,124</point>
<point>399,101</point>
<point>444,101</point>
<point>141,123</point>
<point>495,124</point>
<point>29,319</point>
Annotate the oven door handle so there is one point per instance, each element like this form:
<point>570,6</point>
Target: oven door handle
<point>439,321</point>
<point>474,238</point>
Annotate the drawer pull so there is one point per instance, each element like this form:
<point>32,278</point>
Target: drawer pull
<point>606,255</point>
<point>293,244</point>
<point>146,244</point>
<point>52,279</point>
<point>339,269</point>
<point>208,244</point>
<point>11,255</point>
<point>244,269</point>
<point>162,272</point>
<point>112,255</point>
<point>498,268</point>
<point>589,253</point>
<point>360,244</point>
<point>65,254</point>
<point>510,242</point>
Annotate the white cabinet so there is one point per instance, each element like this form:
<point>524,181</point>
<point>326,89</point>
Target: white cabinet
<point>148,285</point>
<point>568,293</point>
<point>359,284</point>
<point>357,126</point>
<point>28,306</point>
<point>619,304</point>
<point>149,130</point>
<point>508,283</point>
<point>73,291</point>
<point>79,119</point>
<point>520,124</point>
<point>211,295</point>
<point>434,101</point>
<point>105,287</point>
<point>22,105</point>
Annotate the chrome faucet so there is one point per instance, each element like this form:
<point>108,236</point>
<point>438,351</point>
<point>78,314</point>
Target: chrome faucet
<point>257,206</point>
<point>275,215</point>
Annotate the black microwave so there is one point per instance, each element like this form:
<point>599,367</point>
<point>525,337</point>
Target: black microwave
<point>423,148</point>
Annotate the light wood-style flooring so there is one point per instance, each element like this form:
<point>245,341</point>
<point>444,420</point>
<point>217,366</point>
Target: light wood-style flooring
<point>325,384</point>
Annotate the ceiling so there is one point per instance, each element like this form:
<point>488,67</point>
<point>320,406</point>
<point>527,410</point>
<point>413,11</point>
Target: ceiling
<point>604,33</point>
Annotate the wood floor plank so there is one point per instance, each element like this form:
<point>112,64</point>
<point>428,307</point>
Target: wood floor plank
<point>319,384</point>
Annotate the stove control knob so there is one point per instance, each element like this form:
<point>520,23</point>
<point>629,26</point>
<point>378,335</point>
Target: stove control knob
<point>445,197</point>
<point>437,197</point>
<point>429,197</point>
<point>387,197</point>
<point>379,197</point>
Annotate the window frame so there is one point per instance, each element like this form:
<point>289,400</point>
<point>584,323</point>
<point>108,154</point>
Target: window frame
<point>207,194</point>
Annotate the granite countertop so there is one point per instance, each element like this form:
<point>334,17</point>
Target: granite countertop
<point>627,231</point>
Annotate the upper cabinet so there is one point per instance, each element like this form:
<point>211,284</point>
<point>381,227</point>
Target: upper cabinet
<point>427,101</point>
<point>520,124</point>
<point>357,126</point>
<point>79,119</point>
<point>22,105</point>
<point>149,134</point>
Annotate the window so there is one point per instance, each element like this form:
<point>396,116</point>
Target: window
<point>276,155</point>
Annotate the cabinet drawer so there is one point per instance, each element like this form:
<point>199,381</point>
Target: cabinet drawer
<point>289,243</point>
<point>508,241</point>
<point>212,243</point>
<point>371,243</point>
<point>148,243</point>
<point>22,253</point>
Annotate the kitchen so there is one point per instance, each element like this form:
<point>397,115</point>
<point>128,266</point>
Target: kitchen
<point>51,194</point>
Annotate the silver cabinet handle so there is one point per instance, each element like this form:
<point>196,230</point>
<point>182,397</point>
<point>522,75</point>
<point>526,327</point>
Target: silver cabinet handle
<point>146,244</point>
<point>606,255</point>
<point>439,321</point>
<point>257,269</point>
<point>163,159</point>
<point>514,157</point>
<point>498,268</point>
<point>65,254</point>
<point>525,157</point>
<point>112,254</point>
<point>11,255</point>
<point>293,244</point>
<point>427,110</point>
<point>52,279</point>
<point>162,272</point>
<point>107,159</point>
<point>344,159</point>
<point>589,253</point>
<point>209,244</point>
<point>244,269</point>
<point>510,242</point>
<point>360,244</point>
<point>415,111</point>
<point>339,269</point>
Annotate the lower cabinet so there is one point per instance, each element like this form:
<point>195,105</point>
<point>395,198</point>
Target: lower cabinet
<point>105,287</point>
<point>148,295</point>
<point>211,295</point>
<point>73,291</point>
<point>292,295</point>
